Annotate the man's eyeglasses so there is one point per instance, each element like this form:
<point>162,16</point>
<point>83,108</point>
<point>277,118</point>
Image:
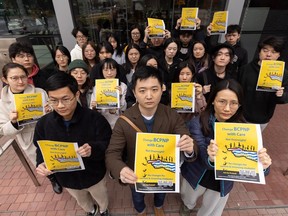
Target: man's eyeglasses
<point>232,104</point>
<point>64,101</point>
<point>81,37</point>
<point>17,78</point>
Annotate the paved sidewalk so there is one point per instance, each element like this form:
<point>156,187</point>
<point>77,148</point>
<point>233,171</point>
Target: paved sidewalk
<point>19,197</point>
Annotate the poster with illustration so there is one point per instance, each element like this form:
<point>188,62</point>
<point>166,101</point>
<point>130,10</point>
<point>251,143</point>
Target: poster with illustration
<point>157,163</point>
<point>219,22</point>
<point>189,16</point>
<point>157,27</point>
<point>270,76</point>
<point>61,156</point>
<point>183,97</point>
<point>30,107</point>
<point>107,96</point>
<point>237,156</point>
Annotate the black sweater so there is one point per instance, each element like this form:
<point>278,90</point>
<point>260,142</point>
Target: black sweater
<point>86,126</point>
<point>259,106</point>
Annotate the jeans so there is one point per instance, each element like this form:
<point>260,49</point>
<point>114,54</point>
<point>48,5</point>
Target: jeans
<point>138,200</point>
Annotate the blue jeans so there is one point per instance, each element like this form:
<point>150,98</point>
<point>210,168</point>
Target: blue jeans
<point>138,200</point>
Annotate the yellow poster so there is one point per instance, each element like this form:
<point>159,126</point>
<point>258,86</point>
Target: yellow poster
<point>219,22</point>
<point>183,97</point>
<point>107,96</point>
<point>157,163</point>
<point>157,27</point>
<point>237,157</point>
<point>60,156</point>
<point>189,16</point>
<point>30,107</point>
<point>270,76</point>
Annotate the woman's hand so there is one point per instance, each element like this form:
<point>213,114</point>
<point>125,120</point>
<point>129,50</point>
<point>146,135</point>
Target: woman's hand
<point>264,158</point>
<point>167,34</point>
<point>199,90</point>
<point>178,23</point>
<point>119,89</point>
<point>209,29</point>
<point>186,144</point>
<point>212,150</point>
<point>48,108</point>
<point>13,116</point>
<point>93,104</point>
<point>206,89</point>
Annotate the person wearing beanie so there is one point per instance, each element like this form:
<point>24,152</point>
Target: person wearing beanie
<point>79,70</point>
<point>222,56</point>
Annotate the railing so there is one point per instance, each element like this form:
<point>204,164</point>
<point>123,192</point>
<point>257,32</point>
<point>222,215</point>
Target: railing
<point>5,143</point>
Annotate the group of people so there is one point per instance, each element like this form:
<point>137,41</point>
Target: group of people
<point>225,92</point>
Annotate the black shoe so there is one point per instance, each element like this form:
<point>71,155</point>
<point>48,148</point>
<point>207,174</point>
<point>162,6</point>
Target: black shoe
<point>57,188</point>
<point>106,213</point>
<point>95,211</point>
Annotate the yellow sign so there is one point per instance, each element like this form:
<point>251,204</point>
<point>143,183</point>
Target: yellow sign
<point>271,75</point>
<point>189,16</point>
<point>29,107</point>
<point>183,97</point>
<point>60,156</point>
<point>157,163</point>
<point>107,96</point>
<point>157,27</point>
<point>219,22</point>
<point>237,156</point>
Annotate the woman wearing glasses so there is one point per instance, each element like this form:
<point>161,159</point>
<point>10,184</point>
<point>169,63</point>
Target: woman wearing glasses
<point>224,105</point>
<point>16,78</point>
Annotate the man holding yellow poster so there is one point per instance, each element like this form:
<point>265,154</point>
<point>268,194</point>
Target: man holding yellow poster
<point>148,116</point>
<point>259,106</point>
<point>219,22</point>
<point>71,123</point>
<point>157,163</point>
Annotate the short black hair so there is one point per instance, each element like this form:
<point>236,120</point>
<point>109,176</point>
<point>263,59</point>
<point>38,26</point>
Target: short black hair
<point>233,28</point>
<point>189,32</point>
<point>83,30</point>
<point>61,80</point>
<point>276,42</point>
<point>145,72</point>
<point>18,47</point>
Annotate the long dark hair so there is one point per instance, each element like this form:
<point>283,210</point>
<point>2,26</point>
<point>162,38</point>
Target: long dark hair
<point>205,61</point>
<point>111,63</point>
<point>96,58</point>
<point>232,85</point>
<point>64,51</point>
<point>180,67</point>
<point>119,49</point>
<point>128,66</point>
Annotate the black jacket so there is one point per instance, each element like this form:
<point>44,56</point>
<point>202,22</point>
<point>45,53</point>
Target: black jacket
<point>209,77</point>
<point>86,126</point>
<point>259,106</point>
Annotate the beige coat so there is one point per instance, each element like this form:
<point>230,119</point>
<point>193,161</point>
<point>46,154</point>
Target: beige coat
<point>24,134</point>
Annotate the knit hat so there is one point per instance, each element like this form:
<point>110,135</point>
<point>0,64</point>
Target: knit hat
<point>78,63</point>
<point>220,46</point>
